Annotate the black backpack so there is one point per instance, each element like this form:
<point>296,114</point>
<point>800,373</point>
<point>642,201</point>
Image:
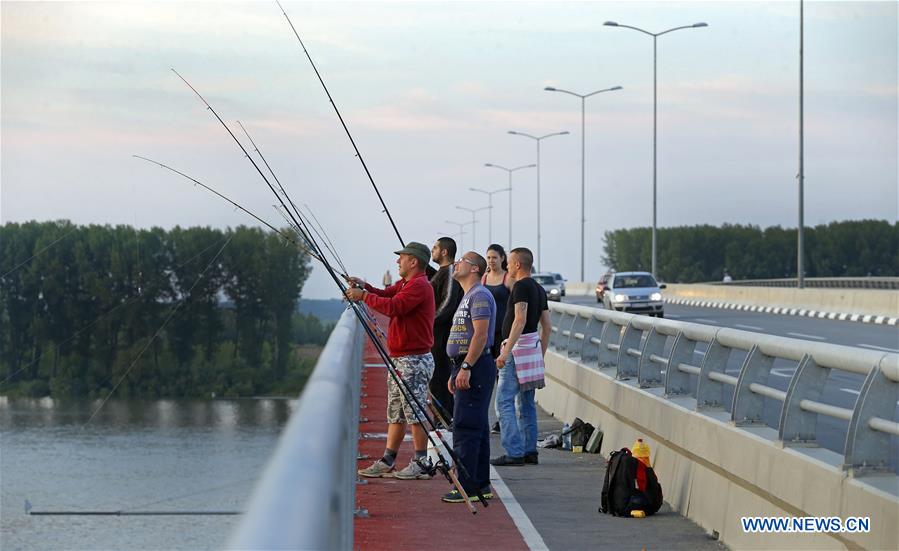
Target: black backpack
<point>629,485</point>
<point>580,432</point>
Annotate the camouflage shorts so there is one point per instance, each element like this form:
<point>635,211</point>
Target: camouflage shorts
<point>416,371</point>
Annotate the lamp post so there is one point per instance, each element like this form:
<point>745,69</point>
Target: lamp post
<point>655,37</point>
<point>583,131</point>
<point>473,222</point>
<point>538,139</point>
<point>510,171</point>
<point>461,226</point>
<point>490,205</point>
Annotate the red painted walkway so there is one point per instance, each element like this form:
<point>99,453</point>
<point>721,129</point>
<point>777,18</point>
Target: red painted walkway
<point>408,514</point>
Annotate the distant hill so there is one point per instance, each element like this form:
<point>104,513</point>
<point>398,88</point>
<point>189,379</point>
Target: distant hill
<point>326,310</point>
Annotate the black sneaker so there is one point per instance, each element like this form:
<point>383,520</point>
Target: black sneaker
<point>495,428</point>
<point>487,492</point>
<point>531,459</point>
<point>506,461</point>
<point>455,497</point>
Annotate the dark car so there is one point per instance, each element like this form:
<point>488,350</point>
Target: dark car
<point>550,285</point>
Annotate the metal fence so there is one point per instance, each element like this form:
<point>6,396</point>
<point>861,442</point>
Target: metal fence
<point>663,353</point>
<point>823,282</point>
<point>306,497</point>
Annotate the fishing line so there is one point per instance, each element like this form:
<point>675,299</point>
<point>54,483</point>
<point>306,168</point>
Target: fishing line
<point>158,331</point>
<point>327,239</point>
<point>127,302</point>
<point>27,260</point>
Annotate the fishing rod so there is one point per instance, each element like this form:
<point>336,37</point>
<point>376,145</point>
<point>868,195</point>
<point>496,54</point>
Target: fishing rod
<point>347,130</point>
<point>328,242</point>
<point>234,203</point>
<point>420,415</point>
<point>286,196</point>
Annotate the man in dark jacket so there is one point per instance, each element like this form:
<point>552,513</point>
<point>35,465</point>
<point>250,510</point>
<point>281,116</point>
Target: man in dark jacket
<point>447,295</point>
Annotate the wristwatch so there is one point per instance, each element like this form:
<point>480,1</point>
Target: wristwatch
<point>466,366</point>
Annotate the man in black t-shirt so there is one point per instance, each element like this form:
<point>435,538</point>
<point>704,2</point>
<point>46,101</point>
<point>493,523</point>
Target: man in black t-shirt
<point>527,309</point>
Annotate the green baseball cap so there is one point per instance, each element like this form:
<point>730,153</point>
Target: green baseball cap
<point>418,250</point>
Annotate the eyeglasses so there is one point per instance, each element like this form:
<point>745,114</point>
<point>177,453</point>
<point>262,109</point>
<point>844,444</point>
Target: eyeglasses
<point>463,259</point>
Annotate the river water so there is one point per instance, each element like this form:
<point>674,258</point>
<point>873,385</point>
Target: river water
<point>159,455</point>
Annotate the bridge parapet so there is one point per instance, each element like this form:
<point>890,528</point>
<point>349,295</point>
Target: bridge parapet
<point>307,494</point>
<point>668,381</point>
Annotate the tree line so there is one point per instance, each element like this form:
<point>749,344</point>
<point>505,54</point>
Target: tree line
<point>80,306</point>
<point>701,253</point>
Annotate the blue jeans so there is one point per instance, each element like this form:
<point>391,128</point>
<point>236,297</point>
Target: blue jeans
<point>471,432</point>
<point>518,432</point>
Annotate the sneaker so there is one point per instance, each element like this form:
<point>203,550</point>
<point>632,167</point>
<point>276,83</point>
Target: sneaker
<point>455,497</point>
<point>495,428</point>
<point>506,461</point>
<point>487,492</point>
<point>531,458</point>
<point>378,469</point>
<point>419,469</point>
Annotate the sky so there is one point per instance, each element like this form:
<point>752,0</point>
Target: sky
<point>429,91</point>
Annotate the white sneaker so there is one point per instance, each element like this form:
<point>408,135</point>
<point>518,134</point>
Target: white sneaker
<point>416,470</point>
<point>378,469</point>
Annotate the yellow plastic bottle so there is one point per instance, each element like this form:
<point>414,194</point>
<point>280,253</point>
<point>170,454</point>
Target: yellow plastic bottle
<point>638,514</point>
<point>640,451</point>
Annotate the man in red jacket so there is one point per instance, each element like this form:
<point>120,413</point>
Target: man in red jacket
<point>410,305</point>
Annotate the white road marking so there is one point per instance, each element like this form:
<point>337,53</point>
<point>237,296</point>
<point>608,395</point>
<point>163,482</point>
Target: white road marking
<point>699,352</point>
<point>703,320</point>
<point>875,347</point>
<point>750,327</point>
<point>530,534</point>
<point>376,365</point>
<point>804,336</point>
<point>672,316</point>
<point>850,391</point>
<point>786,372</point>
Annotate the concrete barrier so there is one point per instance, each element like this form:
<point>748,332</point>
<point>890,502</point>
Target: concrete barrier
<point>864,302</point>
<point>714,472</point>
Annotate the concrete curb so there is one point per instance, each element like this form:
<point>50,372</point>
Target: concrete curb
<point>840,316</point>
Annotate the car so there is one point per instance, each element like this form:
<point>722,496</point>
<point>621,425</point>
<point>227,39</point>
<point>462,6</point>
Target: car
<point>602,285</point>
<point>560,280</point>
<point>550,285</point>
<point>634,292</point>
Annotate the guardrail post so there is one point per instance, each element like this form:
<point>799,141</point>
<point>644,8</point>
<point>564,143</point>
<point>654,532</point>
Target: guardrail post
<point>798,426</point>
<point>868,449</point>
<point>555,318</point>
<point>593,330</point>
<point>710,393</point>
<point>627,364</point>
<point>577,326</point>
<point>676,381</point>
<point>649,373</point>
<point>611,334</point>
<point>749,407</point>
<point>564,331</point>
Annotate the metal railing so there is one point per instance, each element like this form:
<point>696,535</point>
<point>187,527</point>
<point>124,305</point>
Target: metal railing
<point>306,497</point>
<point>662,353</point>
<point>819,282</point>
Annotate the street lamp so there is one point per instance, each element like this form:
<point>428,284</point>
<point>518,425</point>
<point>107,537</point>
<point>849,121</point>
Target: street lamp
<point>583,132</point>
<point>654,110</point>
<point>473,227</point>
<point>461,231</point>
<point>510,171</point>
<point>490,204</point>
<point>537,139</point>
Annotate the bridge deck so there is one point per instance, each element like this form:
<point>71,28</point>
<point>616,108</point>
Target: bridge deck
<point>555,503</point>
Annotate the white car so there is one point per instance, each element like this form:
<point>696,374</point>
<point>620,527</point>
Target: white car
<point>634,292</point>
